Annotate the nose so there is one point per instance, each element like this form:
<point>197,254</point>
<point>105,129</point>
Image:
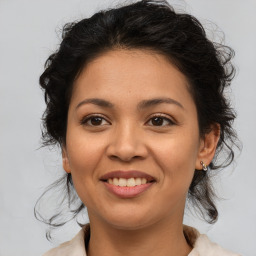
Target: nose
<point>127,143</point>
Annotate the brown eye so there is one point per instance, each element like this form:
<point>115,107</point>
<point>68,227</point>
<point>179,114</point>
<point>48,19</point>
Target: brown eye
<point>160,121</point>
<point>157,121</point>
<point>94,121</point>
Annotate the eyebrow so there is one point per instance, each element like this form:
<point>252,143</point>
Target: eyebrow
<point>142,105</point>
<point>96,101</point>
<point>156,101</point>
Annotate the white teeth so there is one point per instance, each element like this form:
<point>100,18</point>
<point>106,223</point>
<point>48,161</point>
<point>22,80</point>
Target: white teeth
<point>143,181</point>
<point>138,181</point>
<point>122,182</point>
<point>116,181</point>
<point>131,182</point>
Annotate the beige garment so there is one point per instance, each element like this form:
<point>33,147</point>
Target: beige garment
<point>201,244</point>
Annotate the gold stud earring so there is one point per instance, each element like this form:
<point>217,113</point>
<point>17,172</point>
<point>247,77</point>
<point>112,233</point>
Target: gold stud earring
<point>205,168</point>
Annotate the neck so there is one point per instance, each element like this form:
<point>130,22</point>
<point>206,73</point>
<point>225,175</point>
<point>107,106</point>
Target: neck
<point>163,238</point>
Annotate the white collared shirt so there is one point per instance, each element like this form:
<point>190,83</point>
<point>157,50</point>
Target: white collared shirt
<point>202,246</point>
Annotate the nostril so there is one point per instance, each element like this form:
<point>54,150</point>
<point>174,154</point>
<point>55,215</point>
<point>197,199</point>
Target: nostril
<point>123,159</point>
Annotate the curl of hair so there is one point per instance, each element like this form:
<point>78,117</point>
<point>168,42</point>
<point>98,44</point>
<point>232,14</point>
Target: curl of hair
<point>155,26</point>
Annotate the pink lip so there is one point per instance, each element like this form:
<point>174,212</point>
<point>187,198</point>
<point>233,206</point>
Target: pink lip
<point>127,192</point>
<point>126,175</point>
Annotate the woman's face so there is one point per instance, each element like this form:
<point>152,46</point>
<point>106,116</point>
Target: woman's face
<point>132,111</point>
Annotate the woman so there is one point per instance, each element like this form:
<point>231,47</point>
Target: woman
<point>135,99</point>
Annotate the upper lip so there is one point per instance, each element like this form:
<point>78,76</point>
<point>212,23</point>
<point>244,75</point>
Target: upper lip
<point>126,175</point>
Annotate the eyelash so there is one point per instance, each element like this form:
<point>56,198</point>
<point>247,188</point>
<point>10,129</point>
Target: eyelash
<point>170,122</point>
<point>85,120</point>
<point>88,118</point>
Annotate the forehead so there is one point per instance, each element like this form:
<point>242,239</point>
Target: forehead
<point>130,75</point>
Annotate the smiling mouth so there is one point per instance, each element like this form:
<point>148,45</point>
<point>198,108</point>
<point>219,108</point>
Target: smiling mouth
<point>130,178</point>
<point>128,188</point>
<point>131,182</point>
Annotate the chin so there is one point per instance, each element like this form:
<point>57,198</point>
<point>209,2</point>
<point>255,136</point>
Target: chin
<point>129,225</point>
<point>129,221</point>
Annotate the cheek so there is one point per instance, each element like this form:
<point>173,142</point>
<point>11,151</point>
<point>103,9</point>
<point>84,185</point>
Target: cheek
<point>84,154</point>
<point>177,158</point>
<point>83,151</point>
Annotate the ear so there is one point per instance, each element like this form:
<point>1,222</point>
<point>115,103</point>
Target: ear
<point>65,161</point>
<point>208,145</point>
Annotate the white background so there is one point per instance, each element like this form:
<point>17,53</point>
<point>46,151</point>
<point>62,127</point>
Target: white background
<point>29,32</point>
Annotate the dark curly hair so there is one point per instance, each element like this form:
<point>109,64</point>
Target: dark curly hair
<point>155,26</point>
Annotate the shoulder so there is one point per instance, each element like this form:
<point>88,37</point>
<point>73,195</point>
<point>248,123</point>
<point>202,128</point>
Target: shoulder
<point>74,247</point>
<point>202,246</point>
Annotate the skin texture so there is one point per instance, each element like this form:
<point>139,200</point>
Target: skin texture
<point>127,138</point>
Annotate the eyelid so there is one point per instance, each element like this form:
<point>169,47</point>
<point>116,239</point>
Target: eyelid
<point>171,120</point>
<point>85,119</point>
<point>164,116</point>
